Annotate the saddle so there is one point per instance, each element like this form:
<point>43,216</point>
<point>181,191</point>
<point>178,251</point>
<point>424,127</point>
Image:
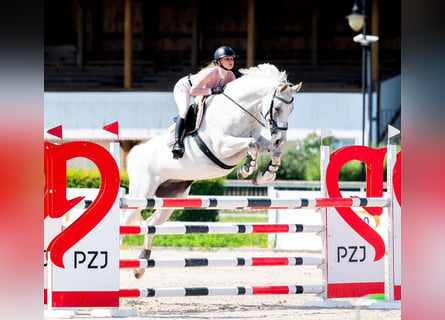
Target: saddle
<point>193,120</point>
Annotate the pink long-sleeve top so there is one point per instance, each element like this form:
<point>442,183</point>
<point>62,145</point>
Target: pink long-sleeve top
<point>206,79</point>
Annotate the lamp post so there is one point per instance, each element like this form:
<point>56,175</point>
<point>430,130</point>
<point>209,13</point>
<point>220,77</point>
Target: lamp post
<point>358,21</point>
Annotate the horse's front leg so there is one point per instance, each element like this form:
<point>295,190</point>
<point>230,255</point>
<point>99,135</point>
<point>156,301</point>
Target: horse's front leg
<point>250,164</point>
<point>259,146</point>
<point>230,146</point>
<point>269,173</point>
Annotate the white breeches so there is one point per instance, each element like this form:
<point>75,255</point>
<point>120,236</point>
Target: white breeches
<point>181,94</point>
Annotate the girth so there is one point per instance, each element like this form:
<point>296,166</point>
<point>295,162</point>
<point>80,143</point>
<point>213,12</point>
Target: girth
<point>203,147</point>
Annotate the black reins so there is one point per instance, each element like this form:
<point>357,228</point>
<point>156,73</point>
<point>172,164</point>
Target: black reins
<point>241,107</point>
<point>273,128</point>
<point>273,124</point>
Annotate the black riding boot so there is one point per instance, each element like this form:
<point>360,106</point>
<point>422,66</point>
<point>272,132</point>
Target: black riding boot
<point>178,147</point>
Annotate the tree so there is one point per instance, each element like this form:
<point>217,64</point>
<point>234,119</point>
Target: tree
<point>303,161</point>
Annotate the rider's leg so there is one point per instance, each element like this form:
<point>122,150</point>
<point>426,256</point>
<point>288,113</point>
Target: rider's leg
<point>181,93</point>
<point>178,147</point>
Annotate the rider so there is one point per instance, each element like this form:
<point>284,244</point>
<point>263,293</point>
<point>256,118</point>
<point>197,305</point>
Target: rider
<point>210,80</point>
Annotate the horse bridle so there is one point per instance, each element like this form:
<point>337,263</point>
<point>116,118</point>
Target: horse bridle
<point>274,127</point>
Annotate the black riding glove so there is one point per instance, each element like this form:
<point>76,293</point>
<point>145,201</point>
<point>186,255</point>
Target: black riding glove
<point>217,90</point>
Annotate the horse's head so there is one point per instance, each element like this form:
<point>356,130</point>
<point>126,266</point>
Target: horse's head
<point>276,95</point>
<point>281,106</point>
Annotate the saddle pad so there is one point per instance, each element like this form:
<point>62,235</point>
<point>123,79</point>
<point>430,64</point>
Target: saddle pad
<point>199,114</point>
<point>171,135</point>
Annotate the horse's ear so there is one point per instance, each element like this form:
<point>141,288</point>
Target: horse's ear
<point>284,88</point>
<point>297,87</point>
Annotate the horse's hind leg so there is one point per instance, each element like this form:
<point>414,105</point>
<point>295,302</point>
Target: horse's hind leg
<point>172,189</point>
<point>128,217</point>
<point>157,218</point>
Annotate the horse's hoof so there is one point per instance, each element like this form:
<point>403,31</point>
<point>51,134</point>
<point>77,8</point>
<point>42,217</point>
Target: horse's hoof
<point>255,181</point>
<point>261,178</point>
<point>241,175</point>
<point>138,273</point>
<point>145,254</point>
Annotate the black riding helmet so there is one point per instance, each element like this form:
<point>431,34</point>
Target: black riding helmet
<point>224,51</point>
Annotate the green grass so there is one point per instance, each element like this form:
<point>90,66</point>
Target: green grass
<point>208,240</point>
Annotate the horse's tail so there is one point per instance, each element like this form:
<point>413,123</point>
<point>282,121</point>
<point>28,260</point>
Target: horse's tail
<point>134,157</point>
<point>134,153</point>
<point>130,157</point>
<point>135,165</point>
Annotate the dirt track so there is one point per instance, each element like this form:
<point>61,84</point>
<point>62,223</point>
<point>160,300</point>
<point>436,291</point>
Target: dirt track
<point>275,307</point>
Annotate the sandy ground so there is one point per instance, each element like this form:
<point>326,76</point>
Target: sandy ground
<point>275,307</point>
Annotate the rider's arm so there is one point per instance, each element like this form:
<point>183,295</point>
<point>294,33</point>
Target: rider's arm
<point>229,78</point>
<point>203,81</point>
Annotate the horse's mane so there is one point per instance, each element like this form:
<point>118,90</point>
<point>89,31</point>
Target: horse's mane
<point>265,70</point>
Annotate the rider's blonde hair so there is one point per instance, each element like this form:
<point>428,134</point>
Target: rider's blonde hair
<point>211,64</point>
